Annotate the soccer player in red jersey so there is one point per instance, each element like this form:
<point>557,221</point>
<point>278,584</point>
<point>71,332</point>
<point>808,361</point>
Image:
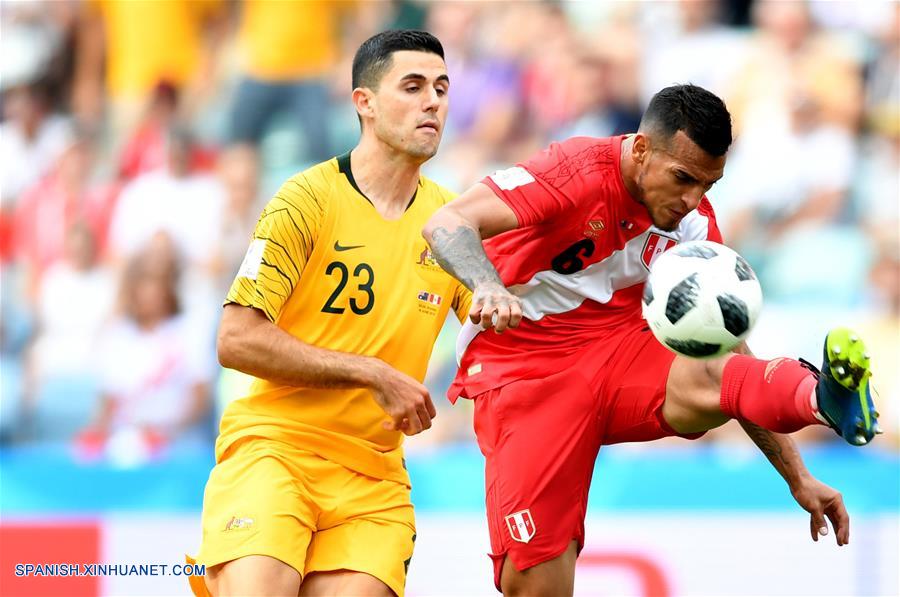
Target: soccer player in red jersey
<point>570,364</point>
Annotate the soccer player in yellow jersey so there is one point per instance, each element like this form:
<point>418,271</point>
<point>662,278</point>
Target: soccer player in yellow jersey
<point>335,310</point>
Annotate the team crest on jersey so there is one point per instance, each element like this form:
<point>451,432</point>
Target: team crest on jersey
<point>238,523</point>
<point>521,526</point>
<point>427,260</point>
<point>655,245</point>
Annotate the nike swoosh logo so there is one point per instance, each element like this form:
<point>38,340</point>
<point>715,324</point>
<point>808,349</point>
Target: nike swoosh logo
<point>339,247</point>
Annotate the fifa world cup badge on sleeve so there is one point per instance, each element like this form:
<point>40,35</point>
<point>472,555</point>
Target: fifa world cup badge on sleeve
<point>511,178</point>
<point>253,259</point>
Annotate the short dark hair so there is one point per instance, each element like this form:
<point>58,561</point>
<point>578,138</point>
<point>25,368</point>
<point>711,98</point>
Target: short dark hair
<point>699,113</point>
<point>373,57</point>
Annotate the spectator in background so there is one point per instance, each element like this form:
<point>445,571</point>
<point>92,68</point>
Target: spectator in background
<point>175,199</point>
<point>126,48</point>
<point>883,81</point>
<point>486,77</point>
<point>76,284</point>
<point>878,175</point>
<point>155,373</point>
<point>875,194</point>
<point>238,170</point>
<point>698,48</point>
<point>186,205</point>
<point>288,50</point>
<point>145,149</point>
<point>810,184</point>
<point>32,134</point>
<point>486,82</point>
<point>33,46</point>
<point>32,137</point>
<point>797,99</point>
<point>549,78</point>
<point>605,96</point>
<point>74,302</point>
<point>66,196</point>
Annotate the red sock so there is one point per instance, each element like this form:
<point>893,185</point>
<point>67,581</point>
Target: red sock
<point>773,394</point>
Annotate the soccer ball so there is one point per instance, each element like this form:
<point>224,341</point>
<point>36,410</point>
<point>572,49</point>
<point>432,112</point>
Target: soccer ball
<point>701,299</point>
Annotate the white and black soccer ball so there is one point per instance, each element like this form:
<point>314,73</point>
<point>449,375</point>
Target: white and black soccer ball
<point>701,299</point>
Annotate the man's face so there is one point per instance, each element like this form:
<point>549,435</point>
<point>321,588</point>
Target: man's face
<point>410,106</point>
<point>673,176</point>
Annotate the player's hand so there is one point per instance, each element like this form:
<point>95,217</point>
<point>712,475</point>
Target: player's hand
<point>493,306</point>
<point>405,400</point>
<point>822,501</point>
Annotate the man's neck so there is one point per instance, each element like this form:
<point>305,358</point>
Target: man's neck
<point>389,178</point>
<point>629,169</point>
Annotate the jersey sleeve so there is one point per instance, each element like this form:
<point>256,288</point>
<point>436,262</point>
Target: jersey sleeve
<point>282,243</point>
<point>702,224</point>
<point>462,302</point>
<point>544,186</point>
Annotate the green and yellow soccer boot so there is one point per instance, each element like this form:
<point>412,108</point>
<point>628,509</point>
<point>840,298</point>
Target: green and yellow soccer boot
<point>843,393</point>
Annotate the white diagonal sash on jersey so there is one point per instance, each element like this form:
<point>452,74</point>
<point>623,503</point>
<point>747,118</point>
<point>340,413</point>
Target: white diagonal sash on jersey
<point>549,292</point>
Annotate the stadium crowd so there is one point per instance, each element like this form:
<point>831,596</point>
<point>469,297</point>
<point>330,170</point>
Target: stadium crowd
<point>140,141</point>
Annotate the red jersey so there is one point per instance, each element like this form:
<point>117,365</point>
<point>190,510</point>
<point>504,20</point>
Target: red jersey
<point>578,261</point>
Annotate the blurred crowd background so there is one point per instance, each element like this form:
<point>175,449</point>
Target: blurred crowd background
<point>140,140</point>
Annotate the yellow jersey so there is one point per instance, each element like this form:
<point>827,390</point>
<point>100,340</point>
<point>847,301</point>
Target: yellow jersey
<point>327,268</point>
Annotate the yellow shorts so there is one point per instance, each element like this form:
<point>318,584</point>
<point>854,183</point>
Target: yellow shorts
<point>269,498</point>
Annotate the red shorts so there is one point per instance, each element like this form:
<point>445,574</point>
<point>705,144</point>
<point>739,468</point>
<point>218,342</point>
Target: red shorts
<point>540,438</point>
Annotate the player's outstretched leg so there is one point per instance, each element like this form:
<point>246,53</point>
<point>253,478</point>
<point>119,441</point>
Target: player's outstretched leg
<point>842,389</point>
<point>781,395</point>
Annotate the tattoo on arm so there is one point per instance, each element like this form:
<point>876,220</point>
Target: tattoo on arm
<point>461,254</point>
<point>781,451</point>
<point>767,443</point>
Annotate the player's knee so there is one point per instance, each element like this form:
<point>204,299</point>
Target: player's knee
<point>691,378</point>
<point>707,373</point>
<point>693,394</point>
<point>714,370</point>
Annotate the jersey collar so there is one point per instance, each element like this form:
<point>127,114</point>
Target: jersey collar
<point>343,161</point>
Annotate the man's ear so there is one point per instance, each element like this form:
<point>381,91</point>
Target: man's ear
<point>363,100</point>
<point>640,149</point>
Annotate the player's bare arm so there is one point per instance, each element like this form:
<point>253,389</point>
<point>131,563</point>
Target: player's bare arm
<point>250,343</point>
<point>455,233</point>
<point>812,495</point>
<point>815,497</point>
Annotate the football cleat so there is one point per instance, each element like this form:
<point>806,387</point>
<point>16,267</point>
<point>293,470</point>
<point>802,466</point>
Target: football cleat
<point>842,392</point>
